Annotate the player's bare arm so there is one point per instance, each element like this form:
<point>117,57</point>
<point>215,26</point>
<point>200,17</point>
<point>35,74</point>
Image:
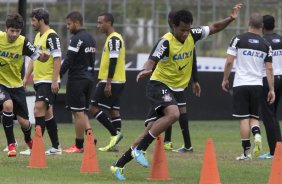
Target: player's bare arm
<point>220,25</point>
<point>147,69</point>
<point>227,70</point>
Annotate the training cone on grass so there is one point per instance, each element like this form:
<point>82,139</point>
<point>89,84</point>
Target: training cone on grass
<point>275,176</point>
<point>37,158</point>
<point>89,160</point>
<point>209,173</point>
<point>159,169</point>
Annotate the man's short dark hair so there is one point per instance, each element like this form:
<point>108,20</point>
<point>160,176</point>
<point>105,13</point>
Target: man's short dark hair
<point>268,22</point>
<point>182,16</point>
<point>40,14</point>
<point>108,17</point>
<point>14,21</point>
<point>75,16</point>
<point>256,21</point>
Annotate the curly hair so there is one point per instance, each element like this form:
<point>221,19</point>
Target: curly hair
<point>183,16</point>
<point>14,21</point>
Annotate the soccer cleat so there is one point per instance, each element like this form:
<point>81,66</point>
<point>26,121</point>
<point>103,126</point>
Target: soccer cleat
<point>12,150</point>
<point>265,156</point>
<point>183,150</point>
<point>243,157</point>
<point>257,145</point>
<point>118,172</point>
<point>26,152</point>
<point>7,149</point>
<point>114,149</point>
<point>114,140</point>
<point>139,157</point>
<point>54,151</point>
<point>73,149</point>
<point>168,146</point>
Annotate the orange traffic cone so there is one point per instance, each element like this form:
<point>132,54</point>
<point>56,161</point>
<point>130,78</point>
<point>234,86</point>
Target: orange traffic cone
<point>159,170</point>
<point>37,158</point>
<point>275,176</point>
<point>89,161</point>
<point>209,173</point>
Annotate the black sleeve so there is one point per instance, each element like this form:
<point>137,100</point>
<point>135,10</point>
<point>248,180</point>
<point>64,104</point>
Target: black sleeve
<point>30,50</point>
<point>112,67</point>
<point>73,49</point>
<point>114,45</point>
<point>160,50</point>
<point>268,57</point>
<point>54,45</point>
<point>198,33</point>
<point>195,68</point>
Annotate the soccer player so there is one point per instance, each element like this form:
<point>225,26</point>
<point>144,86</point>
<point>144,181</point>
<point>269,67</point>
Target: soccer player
<point>13,48</point>
<point>172,58</point>
<point>252,52</point>
<point>111,81</point>
<point>269,111</point>
<point>79,62</point>
<point>46,78</point>
<point>180,97</point>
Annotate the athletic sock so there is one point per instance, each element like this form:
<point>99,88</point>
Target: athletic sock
<point>27,132</point>
<point>183,122</point>
<point>255,130</point>
<point>41,122</point>
<point>79,143</point>
<point>52,129</point>
<point>8,125</point>
<point>167,137</point>
<point>146,141</point>
<point>124,159</point>
<point>116,122</point>
<point>246,144</point>
<point>104,120</point>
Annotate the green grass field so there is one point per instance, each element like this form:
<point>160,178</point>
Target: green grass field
<point>183,168</point>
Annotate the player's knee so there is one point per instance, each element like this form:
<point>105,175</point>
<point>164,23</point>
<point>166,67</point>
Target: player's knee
<point>174,116</point>
<point>8,106</point>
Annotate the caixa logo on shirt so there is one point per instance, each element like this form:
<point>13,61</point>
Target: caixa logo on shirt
<point>182,56</point>
<point>253,53</point>
<point>89,49</point>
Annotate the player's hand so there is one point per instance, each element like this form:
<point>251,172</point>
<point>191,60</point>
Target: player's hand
<point>235,10</point>
<point>142,74</point>
<point>196,89</point>
<point>108,90</point>
<point>44,56</point>
<point>225,85</point>
<point>271,97</point>
<point>55,87</point>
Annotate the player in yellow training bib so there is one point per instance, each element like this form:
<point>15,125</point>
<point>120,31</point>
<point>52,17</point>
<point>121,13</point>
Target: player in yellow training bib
<point>172,59</point>
<point>13,48</point>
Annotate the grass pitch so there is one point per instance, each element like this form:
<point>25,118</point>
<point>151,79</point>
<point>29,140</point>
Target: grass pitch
<point>183,168</point>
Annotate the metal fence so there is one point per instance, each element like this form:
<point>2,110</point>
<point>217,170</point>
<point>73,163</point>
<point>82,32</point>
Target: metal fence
<point>142,23</point>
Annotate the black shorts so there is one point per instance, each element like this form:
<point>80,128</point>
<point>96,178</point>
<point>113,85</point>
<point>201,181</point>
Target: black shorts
<point>246,101</point>
<point>18,96</point>
<point>160,96</point>
<point>78,94</point>
<point>44,93</point>
<point>100,100</point>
